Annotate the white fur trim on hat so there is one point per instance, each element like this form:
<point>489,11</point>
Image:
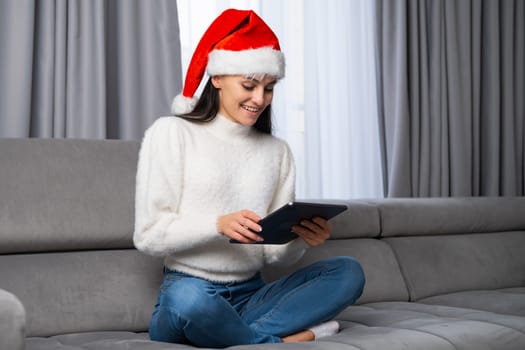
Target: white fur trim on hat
<point>182,105</point>
<point>264,60</point>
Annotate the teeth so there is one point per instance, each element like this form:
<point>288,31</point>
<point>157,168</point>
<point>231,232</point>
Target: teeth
<point>251,109</point>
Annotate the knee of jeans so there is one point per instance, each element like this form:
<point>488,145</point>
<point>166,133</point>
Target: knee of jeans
<point>352,277</point>
<point>188,298</point>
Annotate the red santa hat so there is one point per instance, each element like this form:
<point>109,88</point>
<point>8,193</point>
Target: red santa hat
<point>238,42</point>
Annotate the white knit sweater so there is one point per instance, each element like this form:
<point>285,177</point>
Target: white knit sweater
<point>191,173</point>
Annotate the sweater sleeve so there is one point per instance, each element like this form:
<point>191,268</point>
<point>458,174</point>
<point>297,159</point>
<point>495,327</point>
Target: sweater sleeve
<point>289,253</point>
<point>160,230</point>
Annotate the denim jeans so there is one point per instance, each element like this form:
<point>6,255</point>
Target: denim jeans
<point>207,314</point>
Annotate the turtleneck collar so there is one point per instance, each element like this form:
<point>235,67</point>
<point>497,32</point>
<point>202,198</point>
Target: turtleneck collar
<point>228,130</point>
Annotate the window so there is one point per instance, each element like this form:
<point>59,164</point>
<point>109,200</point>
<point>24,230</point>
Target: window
<point>326,106</point>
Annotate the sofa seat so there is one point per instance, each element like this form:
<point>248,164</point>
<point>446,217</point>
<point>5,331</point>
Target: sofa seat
<point>382,325</point>
<point>98,340</point>
<point>509,301</point>
<point>409,325</point>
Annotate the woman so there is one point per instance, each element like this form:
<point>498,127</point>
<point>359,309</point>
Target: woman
<point>208,175</point>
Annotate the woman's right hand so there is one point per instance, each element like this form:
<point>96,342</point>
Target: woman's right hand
<point>238,225</point>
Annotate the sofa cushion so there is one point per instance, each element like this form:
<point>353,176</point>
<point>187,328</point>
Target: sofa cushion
<point>386,325</point>
<point>418,326</point>
<point>508,301</point>
<point>434,265</point>
<point>456,215</point>
<point>389,313</point>
<point>83,291</point>
<point>139,341</point>
<point>66,194</point>
<point>361,220</point>
<point>99,341</point>
<point>383,277</point>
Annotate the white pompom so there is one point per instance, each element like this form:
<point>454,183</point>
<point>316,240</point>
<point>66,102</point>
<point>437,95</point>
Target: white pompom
<point>182,105</point>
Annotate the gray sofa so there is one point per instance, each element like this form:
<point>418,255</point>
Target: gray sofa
<point>442,273</point>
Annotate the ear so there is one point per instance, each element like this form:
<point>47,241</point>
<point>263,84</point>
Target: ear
<point>216,81</point>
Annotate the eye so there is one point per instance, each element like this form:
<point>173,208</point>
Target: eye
<point>268,88</point>
<point>248,87</point>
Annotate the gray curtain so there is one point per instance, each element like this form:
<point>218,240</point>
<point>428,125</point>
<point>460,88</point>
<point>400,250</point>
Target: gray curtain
<point>451,89</point>
<point>87,69</point>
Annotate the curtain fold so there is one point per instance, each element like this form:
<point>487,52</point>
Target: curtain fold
<point>87,69</point>
<point>451,90</point>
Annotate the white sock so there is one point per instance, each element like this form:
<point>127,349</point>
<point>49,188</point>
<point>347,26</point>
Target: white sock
<point>325,329</point>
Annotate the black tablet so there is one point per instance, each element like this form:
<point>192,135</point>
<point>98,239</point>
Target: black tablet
<point>277,226</point>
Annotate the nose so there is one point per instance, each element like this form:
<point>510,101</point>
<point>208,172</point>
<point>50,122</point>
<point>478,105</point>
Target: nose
<point>258,96</point>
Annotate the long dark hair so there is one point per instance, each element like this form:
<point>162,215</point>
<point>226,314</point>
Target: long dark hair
<point>207,108</point>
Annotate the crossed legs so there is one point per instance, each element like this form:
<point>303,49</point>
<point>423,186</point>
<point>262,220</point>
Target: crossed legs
<point>207,314</point>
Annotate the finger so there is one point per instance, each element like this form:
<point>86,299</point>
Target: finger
<point>250,220</point>
<point>244,231</point>
<point>312,226</point>
<point>319,226</point>
<point>249,224</point>
<point>250,215</point>
<point>240,238</point>
<point>305,233</point>
<point>234,233</point>
<point>325,224</point>
<point>310,237</point>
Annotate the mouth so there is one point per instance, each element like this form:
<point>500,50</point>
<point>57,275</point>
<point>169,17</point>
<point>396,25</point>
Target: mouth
<point>251,109</point>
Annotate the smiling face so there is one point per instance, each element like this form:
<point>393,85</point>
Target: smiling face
<point>242,99</point>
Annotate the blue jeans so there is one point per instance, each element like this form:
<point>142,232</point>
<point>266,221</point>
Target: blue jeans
<point>207,314</point>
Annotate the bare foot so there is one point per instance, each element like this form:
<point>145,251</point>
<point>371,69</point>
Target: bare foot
<point>299,337</point>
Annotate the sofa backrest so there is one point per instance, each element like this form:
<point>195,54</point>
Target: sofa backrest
<point>66,194</point>
<point>66,224</point>
<point>446,245</point>
<point>449,215</point>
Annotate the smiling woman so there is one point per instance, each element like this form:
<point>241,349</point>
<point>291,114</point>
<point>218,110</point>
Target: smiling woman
<point>205,177</point>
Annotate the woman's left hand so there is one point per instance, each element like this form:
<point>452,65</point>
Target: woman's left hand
<point>314,232</point>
